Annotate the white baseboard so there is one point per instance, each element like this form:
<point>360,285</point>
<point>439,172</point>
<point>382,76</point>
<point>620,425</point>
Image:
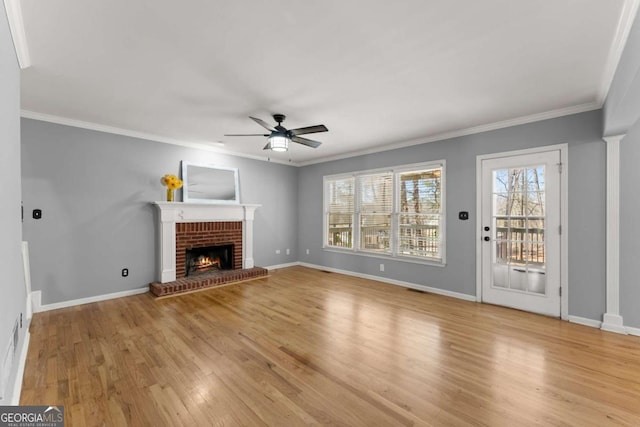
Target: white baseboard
<point>633,331</point>
<point>36,301</point>
<point>425,288</point>
<point>613,323</point>
<point>598,325</point>
<point>277,266</point>
<point>22,363</point>
<point>586,322</point>
<point>38,307</point>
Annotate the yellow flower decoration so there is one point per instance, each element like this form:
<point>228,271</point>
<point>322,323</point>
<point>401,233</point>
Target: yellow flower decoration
<point>172,182</point>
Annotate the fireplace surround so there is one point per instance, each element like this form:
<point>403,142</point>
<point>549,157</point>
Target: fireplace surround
<point>183,226</point>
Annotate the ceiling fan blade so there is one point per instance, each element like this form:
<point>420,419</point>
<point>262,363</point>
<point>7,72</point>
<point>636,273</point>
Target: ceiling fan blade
<point>246,134</point>
<point>263,124</point>
<point>305,141</point>
<point>308,129</point>
<point>267,147</point>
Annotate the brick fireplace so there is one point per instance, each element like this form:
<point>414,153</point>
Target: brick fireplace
<point>202,234</point>
<point>183,226</point>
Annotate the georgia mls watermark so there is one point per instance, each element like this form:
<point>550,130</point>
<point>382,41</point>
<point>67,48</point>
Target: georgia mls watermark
<point>31,416</point>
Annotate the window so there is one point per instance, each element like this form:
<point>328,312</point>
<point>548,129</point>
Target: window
<point>420,213</point>
<point>397,212</point>
<point>376,208</point>
<point>339,200</point>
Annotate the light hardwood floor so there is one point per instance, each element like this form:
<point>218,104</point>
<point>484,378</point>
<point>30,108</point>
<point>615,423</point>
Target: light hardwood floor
<point>309,347</point>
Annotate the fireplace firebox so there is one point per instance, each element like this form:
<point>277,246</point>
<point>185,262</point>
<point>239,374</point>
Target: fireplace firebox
<point>209,258</point>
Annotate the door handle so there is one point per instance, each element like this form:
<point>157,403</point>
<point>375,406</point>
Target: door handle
<point>487,238</point>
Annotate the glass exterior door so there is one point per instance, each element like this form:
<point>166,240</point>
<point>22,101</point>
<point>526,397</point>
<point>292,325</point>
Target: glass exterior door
<point>521,232</point>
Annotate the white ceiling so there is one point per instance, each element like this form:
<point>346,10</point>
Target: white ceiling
<point>377,74</point>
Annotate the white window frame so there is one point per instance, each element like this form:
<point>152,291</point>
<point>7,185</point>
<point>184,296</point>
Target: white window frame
<point>394,254</point>
<point>359,212</point>
<point>325,212</point>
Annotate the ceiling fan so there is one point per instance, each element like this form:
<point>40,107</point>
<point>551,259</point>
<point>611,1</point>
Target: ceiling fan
<point>280,136</point>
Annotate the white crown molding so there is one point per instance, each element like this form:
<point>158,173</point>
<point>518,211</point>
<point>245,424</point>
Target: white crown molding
<point>627,18</point>
<point>552,114</point>
<point>215,147</point>
<point>16,25</point>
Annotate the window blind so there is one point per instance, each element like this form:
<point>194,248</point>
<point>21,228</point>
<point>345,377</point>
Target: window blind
<point>340,212</point>
<point>376,207</point>
<point>397,212</point>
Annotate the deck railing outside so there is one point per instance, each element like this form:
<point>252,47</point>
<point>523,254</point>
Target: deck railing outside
<point>340,236</point>
<point>415,240</point>
<point>520,245</point>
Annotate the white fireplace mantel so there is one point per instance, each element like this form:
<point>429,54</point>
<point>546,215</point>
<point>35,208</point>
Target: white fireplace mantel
<point>171,213</point>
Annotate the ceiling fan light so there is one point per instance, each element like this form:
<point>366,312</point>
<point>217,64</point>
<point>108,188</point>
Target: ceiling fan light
<point>279,143</point>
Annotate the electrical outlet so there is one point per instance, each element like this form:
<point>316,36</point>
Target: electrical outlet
<point>125,272</point>
<point>288,251</point>
<point>277,251</point>
<point>307,251</point>
<point>381,267</point>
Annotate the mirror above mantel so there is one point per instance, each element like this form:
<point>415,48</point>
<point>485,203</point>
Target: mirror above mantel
<point>204,183</point>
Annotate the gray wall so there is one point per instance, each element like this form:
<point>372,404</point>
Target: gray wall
<point>586,207</point>
<point>95,190</point>
<point>13,301</point>
<point>630,227</point>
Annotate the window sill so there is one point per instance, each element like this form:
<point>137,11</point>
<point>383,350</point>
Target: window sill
<point>411,260</point>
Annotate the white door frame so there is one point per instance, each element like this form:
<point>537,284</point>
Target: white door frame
<point>564,218</point>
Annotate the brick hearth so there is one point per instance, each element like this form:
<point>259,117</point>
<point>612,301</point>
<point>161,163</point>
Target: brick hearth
<point>185,226</point>
<point>207,280</point>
